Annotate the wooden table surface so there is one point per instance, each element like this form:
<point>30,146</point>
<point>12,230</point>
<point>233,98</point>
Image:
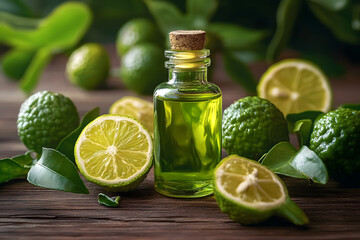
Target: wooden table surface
<point>29,212</point>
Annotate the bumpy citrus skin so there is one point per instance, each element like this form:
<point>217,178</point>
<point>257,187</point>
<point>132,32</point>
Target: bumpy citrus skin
<point>336,139</point>
<point>251,126</point>
<point>44,119</point>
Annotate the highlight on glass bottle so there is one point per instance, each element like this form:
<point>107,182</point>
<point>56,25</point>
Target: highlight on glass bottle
<point>187,126</point>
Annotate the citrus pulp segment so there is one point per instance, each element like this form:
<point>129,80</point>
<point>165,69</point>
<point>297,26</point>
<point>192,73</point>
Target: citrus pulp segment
<point>114,151</point>
<point>249,184</point>
<point>137,108</point>
<point>295,86</point>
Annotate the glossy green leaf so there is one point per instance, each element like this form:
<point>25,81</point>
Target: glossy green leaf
<point>15,62</point>
<point>32,74</point>
<point>308,163</point>
<point>332,5</point>
<point>55,171</point>
<point>167,16</point>
<point>67,144</point>
<point>292,118</point>
<point>303,129</point>
<point>339,23</point>
<point>108,201</point>
<point>16,167</point>
<point>240,73</point>
<point>287,13</point>
<point>277,159</point>
<point>200,11</point>
<point>351,106</point>
<point>235,37</point>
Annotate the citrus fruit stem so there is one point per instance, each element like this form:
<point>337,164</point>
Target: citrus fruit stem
<point>292,212</point>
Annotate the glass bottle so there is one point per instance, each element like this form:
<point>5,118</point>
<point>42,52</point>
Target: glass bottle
<point>187,121</point>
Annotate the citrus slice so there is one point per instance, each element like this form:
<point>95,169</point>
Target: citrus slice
<point>295,86</point>
<point>137,108</point>
<point>250,193</point>
<point>114,151</point>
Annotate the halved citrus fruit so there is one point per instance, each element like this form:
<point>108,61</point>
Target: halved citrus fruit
<point>250,193</point>
<point>137,108</point>
<point>114,151</point>
<point>296,85</point>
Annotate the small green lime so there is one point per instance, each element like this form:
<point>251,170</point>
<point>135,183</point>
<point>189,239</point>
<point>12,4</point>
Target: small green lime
<point>44,119</point>
<point>88,66</point>
<point>142,68</point>
<point>137,31</point>
<point>336,139</point>
<point>252,126</point>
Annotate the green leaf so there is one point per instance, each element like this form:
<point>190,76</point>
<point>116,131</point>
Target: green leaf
<point>284,159</point>
<point>235,37</point>
<point>286,16</point>
<point>108,201</point>
<point>308,163</point>
<point>67,144</point>
<point>55,171</point>
<point>31,77</point>
<point>277,159</point>
<point>351,106</point>
<point>332,5</point>
<point>339,23</point>
<point>240,73</point>
<point>15,62</point>
<point>303,129</point>
<point>63,28</point>
<point>292,118</point>
<point>167,16</point>
<point>16,167</point>
<point>200,11</point>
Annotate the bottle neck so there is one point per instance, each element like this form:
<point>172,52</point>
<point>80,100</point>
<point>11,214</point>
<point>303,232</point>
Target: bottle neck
<point>187,66</point>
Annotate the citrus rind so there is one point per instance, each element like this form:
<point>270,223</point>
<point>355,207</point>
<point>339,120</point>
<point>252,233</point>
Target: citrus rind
<point>117,183</point>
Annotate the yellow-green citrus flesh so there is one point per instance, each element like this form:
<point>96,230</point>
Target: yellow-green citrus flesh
<point>296,85</point>
<point>114,151</point>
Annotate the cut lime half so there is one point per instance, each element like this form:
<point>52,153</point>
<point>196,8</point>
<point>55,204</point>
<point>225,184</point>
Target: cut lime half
<point>250,193</point>
<point>114,151</point>
<point>295,85</point>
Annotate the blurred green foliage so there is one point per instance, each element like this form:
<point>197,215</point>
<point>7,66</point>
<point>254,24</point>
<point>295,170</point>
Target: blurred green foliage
<point>245,31</point>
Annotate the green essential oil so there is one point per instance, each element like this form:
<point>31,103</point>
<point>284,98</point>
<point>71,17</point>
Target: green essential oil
<point>187,129</point>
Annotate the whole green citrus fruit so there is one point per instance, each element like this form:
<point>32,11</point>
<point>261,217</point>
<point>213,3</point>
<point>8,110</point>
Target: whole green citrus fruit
<point>142,68</point>
<point>139,30</point>
<point>88,66</point>
<point>251,126</point>
<point>44,119</point>
<point>336,139</point>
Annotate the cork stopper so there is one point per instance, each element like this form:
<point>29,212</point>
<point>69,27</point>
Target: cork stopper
<point>187,40</point>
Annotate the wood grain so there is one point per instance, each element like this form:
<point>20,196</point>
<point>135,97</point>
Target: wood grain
<point>29,212</point>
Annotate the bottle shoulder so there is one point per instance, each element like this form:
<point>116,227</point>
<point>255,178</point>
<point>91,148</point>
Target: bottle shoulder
<point>187,92</point>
